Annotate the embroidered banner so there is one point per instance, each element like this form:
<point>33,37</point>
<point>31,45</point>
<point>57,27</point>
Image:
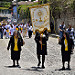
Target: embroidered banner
<point>40,16</point>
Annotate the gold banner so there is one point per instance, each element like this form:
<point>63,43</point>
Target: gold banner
<point>40,16</point>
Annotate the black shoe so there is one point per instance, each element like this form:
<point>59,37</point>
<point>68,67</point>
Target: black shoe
<point>63,68</point>
<point>68,68</point>
<point>13,66</point>
<point>39,64</point>
<point>18,66</point>
<point>43,66</point>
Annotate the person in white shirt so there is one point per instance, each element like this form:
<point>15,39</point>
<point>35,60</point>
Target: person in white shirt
<point>8,25</point>
<point>14,27</point>
<point>70,31</point>
<point>11,30</point>
<point>61,29</point>
<point>7,33</point>
<point>24,30</point>
<point>30,31</point>
<point>27,27</point>
<point>21,28</point>
<point>5,27</point>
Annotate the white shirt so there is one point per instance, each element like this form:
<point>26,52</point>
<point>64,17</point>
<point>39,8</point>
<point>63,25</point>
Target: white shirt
<point>14,27</point>
<point>6,26</point>
<point>30,28</point>
<point>24,26</point>
<point>71,32</point>
<point>21,26</point>
<point>12,31</point>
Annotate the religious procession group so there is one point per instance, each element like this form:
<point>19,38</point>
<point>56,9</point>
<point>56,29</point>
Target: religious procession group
<point>7,30</point>
<point>66,42</point>
<point>16,41</point>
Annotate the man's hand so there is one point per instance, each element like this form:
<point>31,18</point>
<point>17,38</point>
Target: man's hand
<point>41,35</point>
<point>40,42</point>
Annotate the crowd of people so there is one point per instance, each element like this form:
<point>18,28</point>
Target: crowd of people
<point>7,29</point>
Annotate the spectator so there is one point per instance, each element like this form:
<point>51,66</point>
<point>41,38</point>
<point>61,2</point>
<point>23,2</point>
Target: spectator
<point>70,31</point>
<point>61,29</point>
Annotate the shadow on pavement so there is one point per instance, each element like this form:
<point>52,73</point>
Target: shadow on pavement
<point>39,69</point>
<point>12,66</point>
<point>63,70</point>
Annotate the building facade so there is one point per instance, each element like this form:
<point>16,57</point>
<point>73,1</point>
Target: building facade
<point>5,12</point>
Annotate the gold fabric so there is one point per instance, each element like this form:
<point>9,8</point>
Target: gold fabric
<point>7,30</point>
<point>15,42</point>
<point>66,45</point>
<point>21,28</point>
<point>17,29</point>
<point>40,16</point>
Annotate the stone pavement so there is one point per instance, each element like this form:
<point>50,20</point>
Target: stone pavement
<point>29,61</point>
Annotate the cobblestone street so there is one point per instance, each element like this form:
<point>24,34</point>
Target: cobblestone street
<point>28,61</point>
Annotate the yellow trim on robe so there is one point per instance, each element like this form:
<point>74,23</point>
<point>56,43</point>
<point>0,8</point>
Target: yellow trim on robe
<point>7,30</point>
<point>9,33</point>
<point>15,42</point>
<point>17,29</point>
<point>66,45</point>
<point>21,28</point>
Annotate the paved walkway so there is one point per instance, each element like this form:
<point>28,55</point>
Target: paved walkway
<point>28,60</point>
